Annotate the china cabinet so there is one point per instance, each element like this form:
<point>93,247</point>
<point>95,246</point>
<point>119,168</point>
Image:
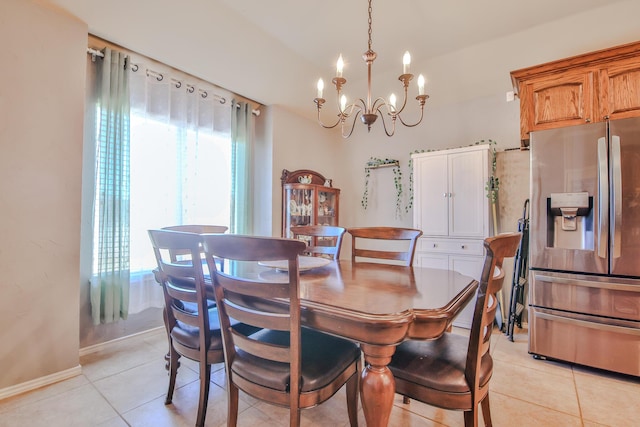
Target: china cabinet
<point>452,210</point>
<point>308,198</point>
<point>586,88</point>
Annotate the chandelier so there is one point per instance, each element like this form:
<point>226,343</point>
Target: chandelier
<point>366,109</point>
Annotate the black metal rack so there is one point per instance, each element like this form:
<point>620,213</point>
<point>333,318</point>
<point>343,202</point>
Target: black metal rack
<point>520,272</point>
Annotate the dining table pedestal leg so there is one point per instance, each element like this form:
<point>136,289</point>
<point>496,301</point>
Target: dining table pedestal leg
<point>377,386</point>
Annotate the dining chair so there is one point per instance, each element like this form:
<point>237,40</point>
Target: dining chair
<point>191,318</point>
<point>178,254</point>
<point>283,364</point>
<point>378,234</point>
<point>453,371</point>
<point>323,240</point>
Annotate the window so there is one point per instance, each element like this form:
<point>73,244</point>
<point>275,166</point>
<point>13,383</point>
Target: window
<point>180,154</point>
<point>178,176</point>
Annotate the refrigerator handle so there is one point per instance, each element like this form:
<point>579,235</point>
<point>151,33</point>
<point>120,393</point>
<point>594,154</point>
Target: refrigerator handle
<point>603,198</point>
<point>616,197</point>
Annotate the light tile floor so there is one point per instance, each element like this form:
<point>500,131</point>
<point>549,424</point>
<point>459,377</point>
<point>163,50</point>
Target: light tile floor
<point>124,384</point>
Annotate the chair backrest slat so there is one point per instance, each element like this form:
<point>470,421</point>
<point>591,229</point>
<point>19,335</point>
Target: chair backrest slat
<point>321,239</point>
<point>384,234</point>
<point>196,229</point>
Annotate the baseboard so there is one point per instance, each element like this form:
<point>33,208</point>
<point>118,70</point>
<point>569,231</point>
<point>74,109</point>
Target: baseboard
<point>40,382</point>
<point>97,347</point>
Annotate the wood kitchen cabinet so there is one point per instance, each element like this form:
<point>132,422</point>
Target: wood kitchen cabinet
<point>308,199</point>
<point>451,208</point>
<point>587,88</point>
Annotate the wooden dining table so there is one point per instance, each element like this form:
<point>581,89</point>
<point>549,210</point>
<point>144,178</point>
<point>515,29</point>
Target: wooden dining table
<point>378,306</point>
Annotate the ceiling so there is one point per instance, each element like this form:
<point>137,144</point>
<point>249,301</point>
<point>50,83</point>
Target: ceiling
<point>319,31</point>
<point>274,51</point>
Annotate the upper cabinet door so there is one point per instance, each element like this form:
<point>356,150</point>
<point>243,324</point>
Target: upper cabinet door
<point>467,198</point>
<point>620,90</point>
<point>430,195</point>
<point>557,100</point>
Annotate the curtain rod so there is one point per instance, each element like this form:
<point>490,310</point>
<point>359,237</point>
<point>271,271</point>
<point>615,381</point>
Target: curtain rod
<point>159,76</point>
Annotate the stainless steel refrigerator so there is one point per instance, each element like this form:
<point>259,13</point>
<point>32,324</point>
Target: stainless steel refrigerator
<point>584,279</point>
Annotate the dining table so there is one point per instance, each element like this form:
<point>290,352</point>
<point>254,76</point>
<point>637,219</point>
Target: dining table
<point>377,305</point>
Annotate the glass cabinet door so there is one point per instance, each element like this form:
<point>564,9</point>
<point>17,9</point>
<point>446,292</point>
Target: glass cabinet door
<point>299,202</point>
<point>327,208</point>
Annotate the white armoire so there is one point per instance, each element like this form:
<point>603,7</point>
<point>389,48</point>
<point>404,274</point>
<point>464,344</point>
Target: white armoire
<point>451,207</point>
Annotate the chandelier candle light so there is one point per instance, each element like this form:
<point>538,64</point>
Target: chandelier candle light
<point>367,110</point>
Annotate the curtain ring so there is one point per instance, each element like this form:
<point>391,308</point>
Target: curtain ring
<point>159,77</point>
<point>223,100</point>
<point>178,84</point>
<point>203,93</point>
<point>134,67</point>
<point>190,88</point>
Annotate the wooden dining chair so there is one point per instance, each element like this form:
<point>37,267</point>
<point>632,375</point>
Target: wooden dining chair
<point>323,240</point>
<point>178,254</point>
<point>191,318</point>
<point>453,371</point>
<point>383,234</point>
<point>283,364</point>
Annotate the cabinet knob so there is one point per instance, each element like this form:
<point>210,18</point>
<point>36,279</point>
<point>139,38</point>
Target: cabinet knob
<point>444,195</point>
<point>435,245</point>
<point>463,246</point>
<point>587,120</point>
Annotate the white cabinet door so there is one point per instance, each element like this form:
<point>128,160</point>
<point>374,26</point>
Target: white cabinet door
<point>449,196</point>
<point>430,195</point>
<point>467,201</point>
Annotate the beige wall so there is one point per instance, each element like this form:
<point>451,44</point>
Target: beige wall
<point>41,116</point>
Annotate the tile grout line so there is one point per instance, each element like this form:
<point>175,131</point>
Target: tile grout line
<point>575,387</point>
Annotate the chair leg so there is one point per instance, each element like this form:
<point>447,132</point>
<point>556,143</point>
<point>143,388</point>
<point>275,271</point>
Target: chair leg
<point>486,411</point>
<point>294,410</point>
<point>232,404</point>
<point>471,417</point>
<point>205,381</point>
<point>406,400</point>
<point>352,398</point>
<point>173,372</point>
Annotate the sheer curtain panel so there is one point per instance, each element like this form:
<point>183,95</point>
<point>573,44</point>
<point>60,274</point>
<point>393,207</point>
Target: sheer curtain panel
<point>110,279</point>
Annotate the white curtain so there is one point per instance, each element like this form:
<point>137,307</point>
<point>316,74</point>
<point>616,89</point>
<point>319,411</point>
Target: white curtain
<point>180,165</point>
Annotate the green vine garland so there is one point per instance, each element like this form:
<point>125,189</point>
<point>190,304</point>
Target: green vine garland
<point>375,162</point>
<point>492,185</point>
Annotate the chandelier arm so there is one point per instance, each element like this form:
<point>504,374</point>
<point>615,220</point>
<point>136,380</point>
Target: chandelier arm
<point>379,103</point>
<point>416,123</point>
<point>353,106</point>
<point>384,122</point>
<point>353,124</point>
<point>320,122</point>
<point>404,102</point>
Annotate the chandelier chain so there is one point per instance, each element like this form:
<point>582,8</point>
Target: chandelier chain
<point>370,21</point>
